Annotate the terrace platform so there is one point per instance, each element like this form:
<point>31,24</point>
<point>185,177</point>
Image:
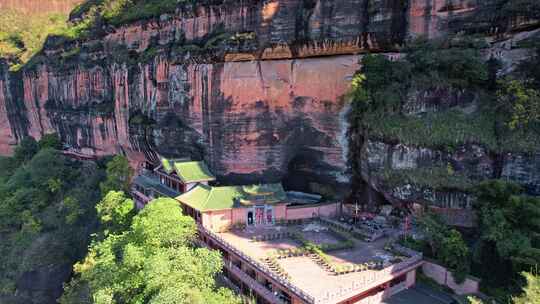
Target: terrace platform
<point>308,275</point>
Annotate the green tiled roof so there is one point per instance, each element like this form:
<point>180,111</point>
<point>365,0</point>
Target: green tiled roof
<point>193,171</point>
<point>188,171</point>
<point>167,166</point>
<point>204,198</point>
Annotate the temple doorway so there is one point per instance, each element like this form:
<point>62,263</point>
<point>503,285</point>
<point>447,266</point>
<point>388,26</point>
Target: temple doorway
<point>250,218</point>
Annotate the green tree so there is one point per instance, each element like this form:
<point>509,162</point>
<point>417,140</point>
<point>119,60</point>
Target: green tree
<point>26,149</point>
<point>47,214</point>
<point>509,227</point>
<point>119,175</point>
<point>520,103</point>
<point>48,170</point>
<point>72,209</point>
<point>154,261</point>
<point>434,231</point>
<point>531,292</point>
<point>455,254</point>
<point>474,300</point>
<point>50,140</point>
<point>447,245</point>
<point>115,211</point>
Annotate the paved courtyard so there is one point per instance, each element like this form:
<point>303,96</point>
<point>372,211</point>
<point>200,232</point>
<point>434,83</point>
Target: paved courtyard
<point>305,273</point>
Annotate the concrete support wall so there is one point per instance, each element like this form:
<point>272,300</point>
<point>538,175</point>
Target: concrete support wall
<point>443,276</point>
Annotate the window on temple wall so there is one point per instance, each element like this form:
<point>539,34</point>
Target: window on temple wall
<point>267,284</point>
<point>250,272</point>
<point>283,296</point>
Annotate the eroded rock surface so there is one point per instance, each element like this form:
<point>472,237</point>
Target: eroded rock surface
<point>256,88</point>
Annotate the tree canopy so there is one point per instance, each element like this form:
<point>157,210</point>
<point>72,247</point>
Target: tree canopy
<point>46,217</point>
<point>154,261</point>
<point>509,227</point>
<point>119,175</point>
<point>446,244</point>
<point>115,212</point>
<point>531,292</point>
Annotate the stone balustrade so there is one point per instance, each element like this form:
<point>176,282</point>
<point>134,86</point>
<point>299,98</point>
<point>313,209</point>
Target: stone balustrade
<point>259,266</point>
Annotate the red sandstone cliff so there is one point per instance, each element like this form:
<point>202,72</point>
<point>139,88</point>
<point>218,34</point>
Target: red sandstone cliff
<point>253,88</point>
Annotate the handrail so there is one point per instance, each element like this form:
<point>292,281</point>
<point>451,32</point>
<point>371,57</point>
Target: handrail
<point>261,289</point>
<point>302,294</point>
<point>413,258</point>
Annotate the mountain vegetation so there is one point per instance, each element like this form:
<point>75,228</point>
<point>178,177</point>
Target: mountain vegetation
<point>56,212</point>
<point>503,117</point>
<point>154,260</point>
<point>52,208</point>
<point>21,36</point>
<point>47,214</point>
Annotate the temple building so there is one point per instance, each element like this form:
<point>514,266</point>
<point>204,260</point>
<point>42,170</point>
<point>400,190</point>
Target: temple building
<point>170,178</point>
<point>146,187</point>
<point>183,175</point>
<point>283,247</point>
<point>219,208</point>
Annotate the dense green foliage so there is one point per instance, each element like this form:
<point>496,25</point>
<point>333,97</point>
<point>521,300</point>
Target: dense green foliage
<point>50,140</point>
<point>445,245</point>
<point>382,89</point>
<point>119,12</point>
<point>509,230</point>
<point>22,36</point>
<point>508,236</point>
<point>153,261</point>
<point>115,211</point>
<point>531,292</point>
<point>94,13</point>
<point>46,214</point>
<point>119,175</point>
<point>27,148</point>
<point>51,205</point>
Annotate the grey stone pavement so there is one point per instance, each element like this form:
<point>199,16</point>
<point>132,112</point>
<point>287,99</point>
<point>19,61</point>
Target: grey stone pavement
<point>420,294</point>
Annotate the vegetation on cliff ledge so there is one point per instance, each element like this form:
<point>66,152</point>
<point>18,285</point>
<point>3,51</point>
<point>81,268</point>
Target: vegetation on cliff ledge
<point>444,96</point>
<point>22,36</point>
<point>461,99</point>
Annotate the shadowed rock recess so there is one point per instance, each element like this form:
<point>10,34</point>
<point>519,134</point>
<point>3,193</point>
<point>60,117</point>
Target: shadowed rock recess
<point>255,88</point>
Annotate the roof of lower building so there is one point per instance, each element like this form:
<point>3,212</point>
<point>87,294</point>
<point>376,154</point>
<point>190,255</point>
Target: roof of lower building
<point>303,198</point>
<point>188,171</point>
<point>206,198</point>
<point>148,182</point>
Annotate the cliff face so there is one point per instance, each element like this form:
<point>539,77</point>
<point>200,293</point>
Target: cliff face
<point>256,88</point>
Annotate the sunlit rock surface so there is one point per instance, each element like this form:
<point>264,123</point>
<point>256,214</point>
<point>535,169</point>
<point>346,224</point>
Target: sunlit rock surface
<point>255,88</point>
